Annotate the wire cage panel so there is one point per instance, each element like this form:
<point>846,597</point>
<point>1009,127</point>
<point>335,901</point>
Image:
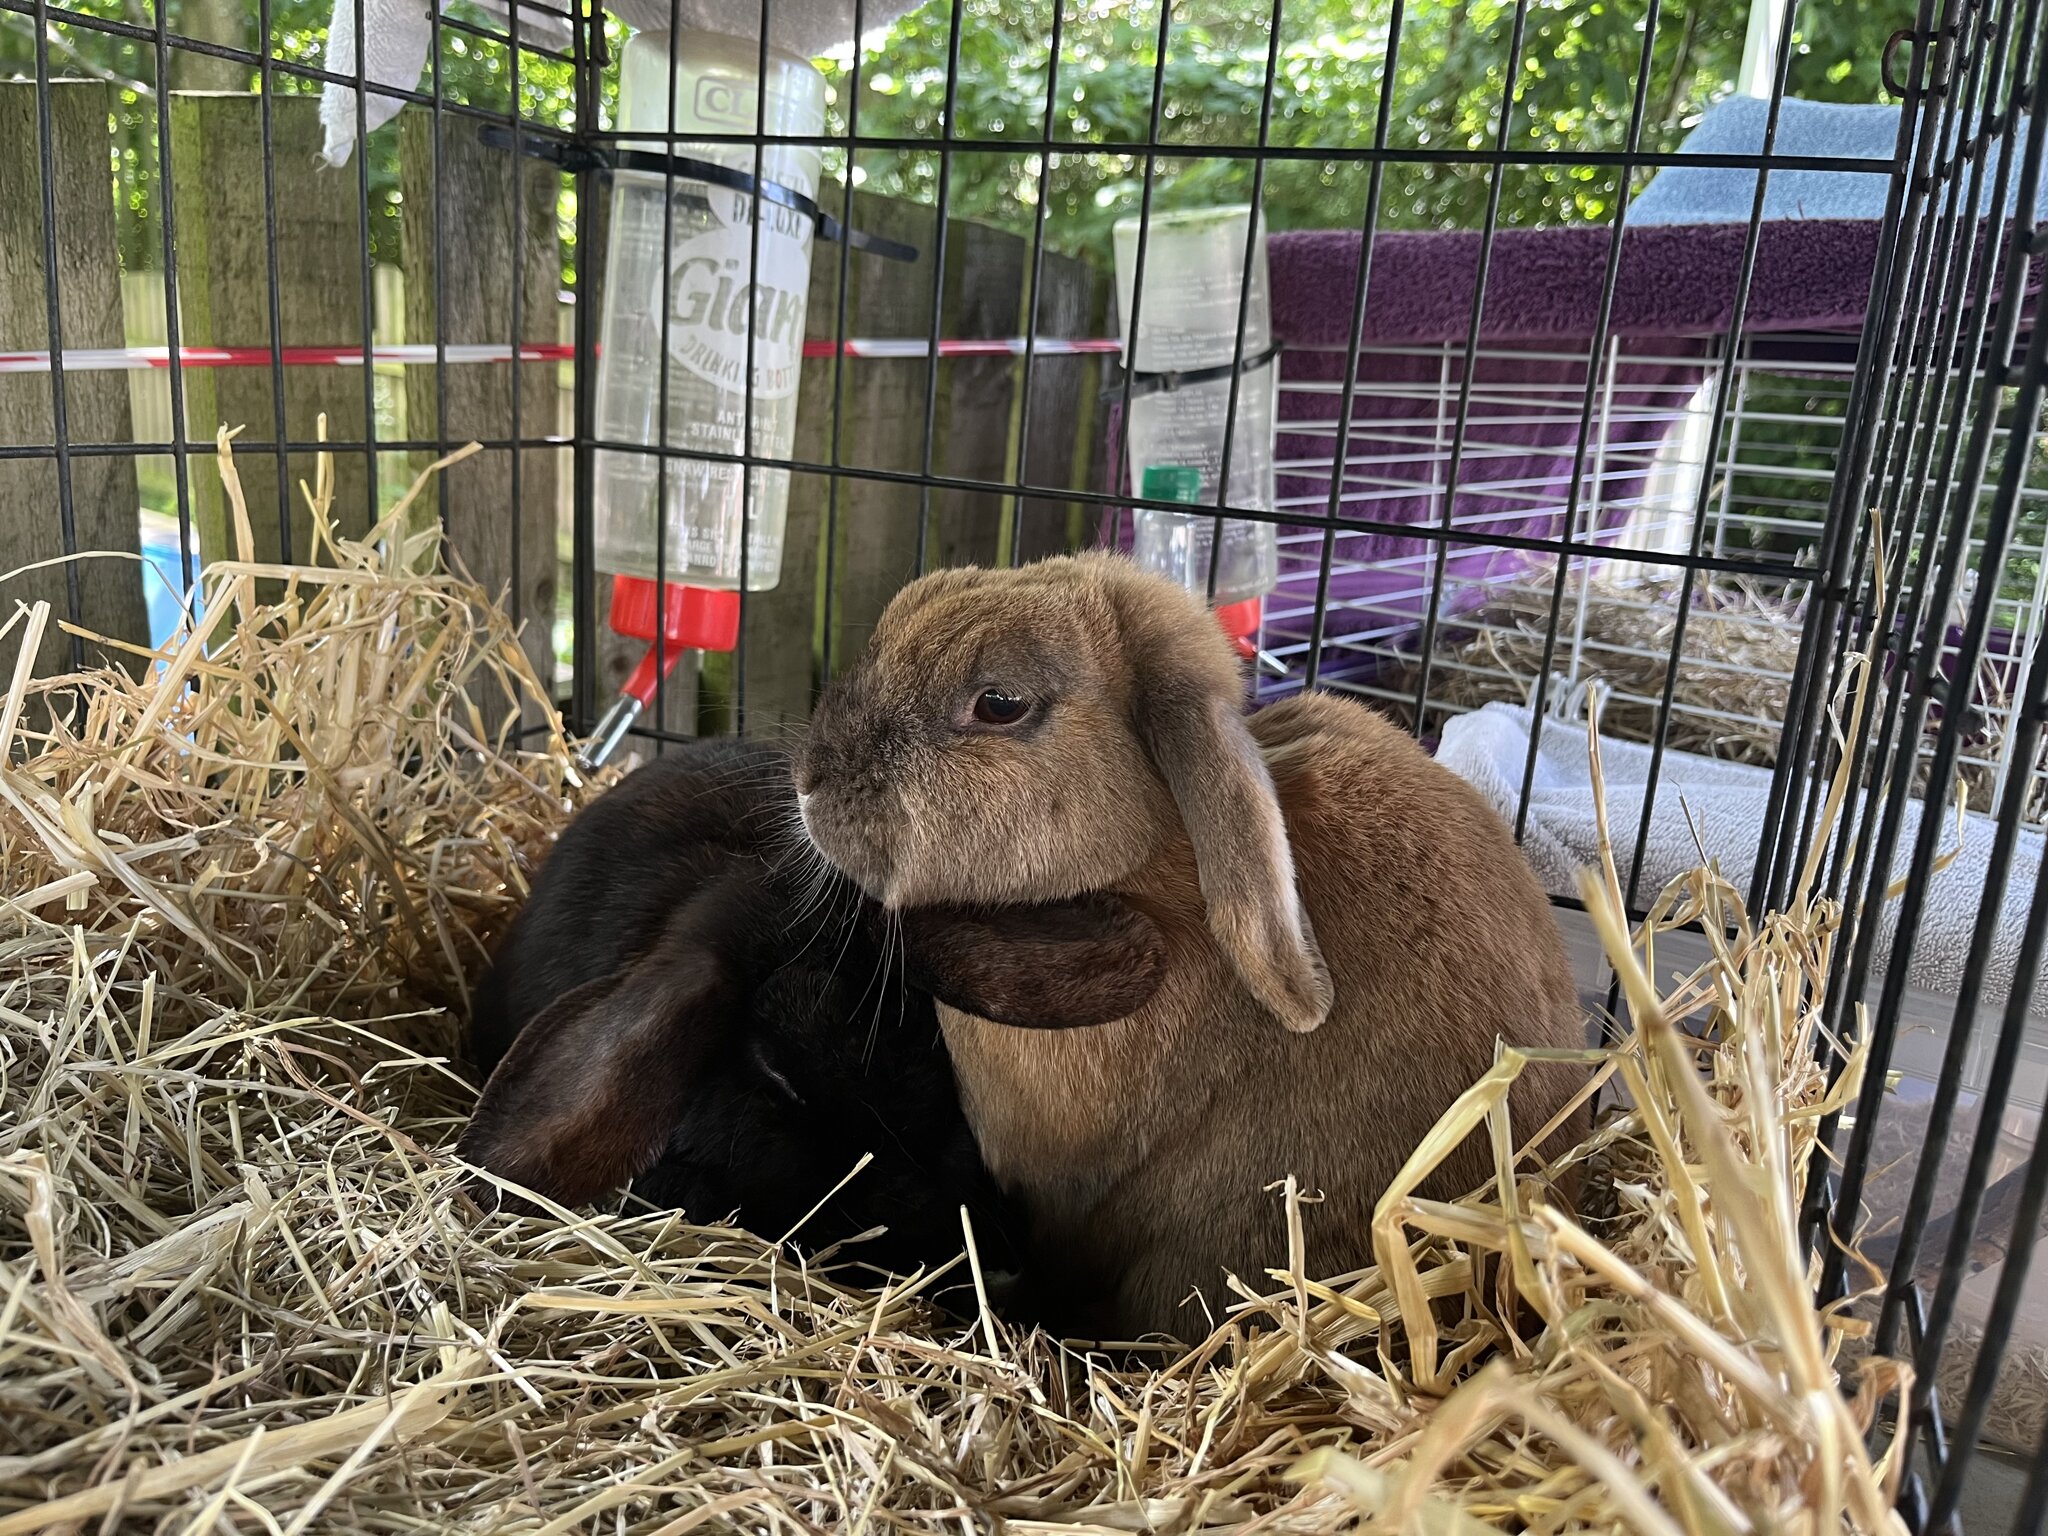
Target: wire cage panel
<point>1631,499</point>
<point>1700,466</point>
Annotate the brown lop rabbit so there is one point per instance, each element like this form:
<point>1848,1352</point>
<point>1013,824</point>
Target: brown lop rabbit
<point>1349,927</point>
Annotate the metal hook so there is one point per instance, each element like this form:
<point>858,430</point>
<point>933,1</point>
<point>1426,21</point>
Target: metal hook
<point>1890,81</point>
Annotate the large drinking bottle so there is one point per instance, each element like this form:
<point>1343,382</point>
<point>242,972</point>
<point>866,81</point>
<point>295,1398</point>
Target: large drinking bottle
<point>1181,416</point>
<point>723,274</point>
<point>1183,483</point>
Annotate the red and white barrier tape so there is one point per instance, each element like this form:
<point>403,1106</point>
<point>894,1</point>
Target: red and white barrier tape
<point>117,359</point>
<point>994,346</point>
<point>137,359</point>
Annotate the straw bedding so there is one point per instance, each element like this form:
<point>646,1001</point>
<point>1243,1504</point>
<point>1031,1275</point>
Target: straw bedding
<point>1736,661</point>
<point>1740,648</point>
<point>240,1287</point>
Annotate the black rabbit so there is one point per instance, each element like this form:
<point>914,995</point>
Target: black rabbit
<point>684,1004</point>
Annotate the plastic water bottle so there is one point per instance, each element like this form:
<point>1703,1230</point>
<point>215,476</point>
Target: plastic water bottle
<point>1194,272</point>
<point>722,280</point>
<point>712,306</point>
<point>1169,550</point>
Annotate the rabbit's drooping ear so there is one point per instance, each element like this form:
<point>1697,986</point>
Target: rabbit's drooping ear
<point>588,1094</point>
<point>1188,709</point>
<point>1058,965</point>
<point>1212,767</point>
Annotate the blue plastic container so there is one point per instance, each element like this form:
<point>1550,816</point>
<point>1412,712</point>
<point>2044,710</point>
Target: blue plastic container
<point>163,583</point>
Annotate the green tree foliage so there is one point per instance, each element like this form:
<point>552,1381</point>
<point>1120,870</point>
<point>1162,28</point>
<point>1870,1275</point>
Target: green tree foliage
<point>1574,87</point>
<point>1574,84</point>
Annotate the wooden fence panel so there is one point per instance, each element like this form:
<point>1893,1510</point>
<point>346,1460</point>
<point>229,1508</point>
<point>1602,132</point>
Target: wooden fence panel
<point>987,271</point>
<point>142,311</point>
<point>781,656</point>
<point>104,505</point>
<point>880,527</point>
<point>507,544</point>
<point>881,425</point>
<point>217,153</point>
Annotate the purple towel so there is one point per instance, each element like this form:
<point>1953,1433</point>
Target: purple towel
<point>1544,284</point>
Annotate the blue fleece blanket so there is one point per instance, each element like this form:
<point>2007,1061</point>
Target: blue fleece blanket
<point>1723,195</point>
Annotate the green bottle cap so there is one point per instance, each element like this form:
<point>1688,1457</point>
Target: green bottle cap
<point>1171,482</point>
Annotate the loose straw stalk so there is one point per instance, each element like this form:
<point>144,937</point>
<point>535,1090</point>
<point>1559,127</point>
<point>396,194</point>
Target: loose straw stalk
<point>239,1287</point>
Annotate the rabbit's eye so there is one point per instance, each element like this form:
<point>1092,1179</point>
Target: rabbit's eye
<point>998,706</point>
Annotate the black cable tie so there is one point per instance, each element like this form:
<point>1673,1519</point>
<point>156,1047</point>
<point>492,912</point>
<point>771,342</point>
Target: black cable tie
<point>1156,384</point>
<point>577,158</point>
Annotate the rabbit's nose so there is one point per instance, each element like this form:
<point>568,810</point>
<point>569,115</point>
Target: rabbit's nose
<point>823,761</point>
<point>818,756</point>
<point>813,760</point>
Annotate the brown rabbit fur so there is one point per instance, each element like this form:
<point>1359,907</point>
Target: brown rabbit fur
<point>1144,1150</point>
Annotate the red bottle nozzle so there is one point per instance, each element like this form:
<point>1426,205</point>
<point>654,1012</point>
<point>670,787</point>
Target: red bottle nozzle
<point>686,618</point>
<point>1240,621</point>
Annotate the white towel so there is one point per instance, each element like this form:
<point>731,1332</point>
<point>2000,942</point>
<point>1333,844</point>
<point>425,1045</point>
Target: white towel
<point>1725,803</point>
<point>398,33</point>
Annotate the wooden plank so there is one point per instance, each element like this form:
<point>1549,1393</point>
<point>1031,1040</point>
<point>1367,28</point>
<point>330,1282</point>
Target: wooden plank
<point>882,427</point>
<point>1066,410</point>
<point>988,271</point>
<point>226,23</point>
<point>507,544</point>
<point>104,506</point>
<point>881,410</point>
<point>224,285</point>
<point>881,423</point>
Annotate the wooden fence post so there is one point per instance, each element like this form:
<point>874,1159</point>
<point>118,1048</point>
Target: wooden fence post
<point>1066,441</point>
<point>883,428</point>
<point>105,508</point>
<point>217,158</point>
<point>987,272</point>
<point>781,624</point>
<point>881,424</point>
<point>508,546</point>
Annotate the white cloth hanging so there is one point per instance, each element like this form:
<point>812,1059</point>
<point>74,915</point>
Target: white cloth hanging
<point>398,33</point>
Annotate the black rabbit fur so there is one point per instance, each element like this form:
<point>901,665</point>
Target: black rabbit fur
<point>807,1049</point>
